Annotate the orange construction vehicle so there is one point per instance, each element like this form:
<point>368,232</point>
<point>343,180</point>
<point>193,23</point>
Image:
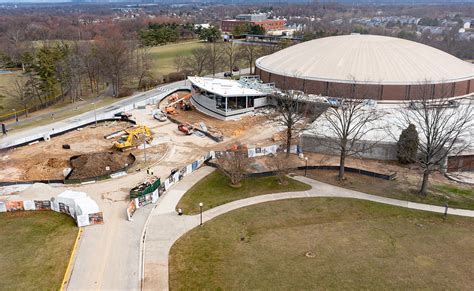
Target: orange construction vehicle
<point>170,108</point>
<point>187,128</point>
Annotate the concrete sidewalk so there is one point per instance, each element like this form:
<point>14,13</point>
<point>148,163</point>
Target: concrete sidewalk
<point>166,226</point>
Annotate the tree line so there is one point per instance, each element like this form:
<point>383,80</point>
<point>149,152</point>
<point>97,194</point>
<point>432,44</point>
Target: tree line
<point>55,70</point>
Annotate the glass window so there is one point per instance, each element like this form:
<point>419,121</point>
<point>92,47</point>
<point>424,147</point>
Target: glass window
<point>241,102</point>
<point>231,103</point>
<point>220,102</point>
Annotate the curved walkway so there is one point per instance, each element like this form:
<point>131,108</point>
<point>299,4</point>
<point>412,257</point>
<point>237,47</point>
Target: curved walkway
<point>166,226</point>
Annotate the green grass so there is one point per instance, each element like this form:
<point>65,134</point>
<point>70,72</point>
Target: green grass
<point>163,56</point>
<point>215,190</point>
<point>35,249</point>
<point>403,188</point>
<point>356,245</point>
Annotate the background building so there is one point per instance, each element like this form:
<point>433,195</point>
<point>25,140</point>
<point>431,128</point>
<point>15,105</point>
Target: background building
<point>367,67</point>
<point>228,25</point>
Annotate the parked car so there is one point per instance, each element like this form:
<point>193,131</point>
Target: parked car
<point>235,69</point>
<point>123,115</point>
<point>334,102</point>
<point>228,74</point>
<point>369,103</point>
<point>160,116</point>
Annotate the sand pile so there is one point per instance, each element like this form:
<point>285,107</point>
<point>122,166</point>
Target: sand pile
<point>98,164</point>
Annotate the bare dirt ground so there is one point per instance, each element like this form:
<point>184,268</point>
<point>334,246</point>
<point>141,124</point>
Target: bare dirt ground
<point>229,129</point>
<point>47,160</point>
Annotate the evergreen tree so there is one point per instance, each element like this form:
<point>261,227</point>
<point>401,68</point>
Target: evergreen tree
<point>407,145</point>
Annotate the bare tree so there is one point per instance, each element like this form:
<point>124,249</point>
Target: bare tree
<point>87,52</point>
<point>180,63</point>
<point>232,54</point>
<point>143,64</point>
<point>214,57</point>
<point>346,129</point>
<point>292,113</point>
<point>197,61</point>
<point>443,127</point>
<point>234,164</point>
<point>250,53</point>
<point>280,163</point>
<point>115,55</point>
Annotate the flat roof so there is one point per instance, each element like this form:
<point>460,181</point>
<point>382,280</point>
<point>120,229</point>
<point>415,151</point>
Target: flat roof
<point>225,87</point>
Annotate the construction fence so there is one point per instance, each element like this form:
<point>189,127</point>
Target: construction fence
<point>64,206</point>
<point>172,179</point>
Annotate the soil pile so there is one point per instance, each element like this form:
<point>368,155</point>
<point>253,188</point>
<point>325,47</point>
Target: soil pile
<point>98,164</point>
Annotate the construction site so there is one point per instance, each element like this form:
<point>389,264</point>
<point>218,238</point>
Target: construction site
<point>112,146</point>
<point>80,154</point>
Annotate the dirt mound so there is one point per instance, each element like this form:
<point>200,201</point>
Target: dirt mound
<point>56,163</point>
<point>98,164</point>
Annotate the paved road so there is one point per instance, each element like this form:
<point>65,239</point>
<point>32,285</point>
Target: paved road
<point>166,226</point>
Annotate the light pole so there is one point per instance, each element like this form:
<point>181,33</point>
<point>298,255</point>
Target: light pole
<point>200,213</point>
<point>306,167</point>
<point>95,114</point>
<point>144,146</point>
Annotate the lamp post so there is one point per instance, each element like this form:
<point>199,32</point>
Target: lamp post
<point>200,213</point>
<point>306,167</point>
<point>144,146</point>
<point>95,114</point>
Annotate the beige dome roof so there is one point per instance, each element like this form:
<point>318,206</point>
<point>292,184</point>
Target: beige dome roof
<point>367,59</point>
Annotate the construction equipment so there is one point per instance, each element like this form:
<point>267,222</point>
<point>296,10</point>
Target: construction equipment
<point>187,128</point>
<point>170,109</point>
<point>133,137</point>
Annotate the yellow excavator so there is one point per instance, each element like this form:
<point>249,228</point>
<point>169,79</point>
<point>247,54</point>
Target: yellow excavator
<point>133,138</point>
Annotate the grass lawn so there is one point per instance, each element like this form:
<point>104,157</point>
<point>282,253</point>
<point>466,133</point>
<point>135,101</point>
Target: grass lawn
<point>7,84</point>
<point>35,249</point>
<point>401,188</point>
<point>214,190</point>
<point>354,244</point>
<point>163,56</point>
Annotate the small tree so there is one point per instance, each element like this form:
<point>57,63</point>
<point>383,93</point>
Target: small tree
<point>407,145</point>
<point>234,165</point>
<point>280,163</point>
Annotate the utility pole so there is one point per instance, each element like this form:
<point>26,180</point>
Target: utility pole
<point>95,114</point>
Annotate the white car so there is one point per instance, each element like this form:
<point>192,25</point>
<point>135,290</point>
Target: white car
<point>160,116</point>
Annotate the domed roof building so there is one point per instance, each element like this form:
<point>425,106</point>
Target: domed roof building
<point>368,66</point>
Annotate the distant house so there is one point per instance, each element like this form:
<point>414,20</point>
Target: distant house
<point>261,19</point>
